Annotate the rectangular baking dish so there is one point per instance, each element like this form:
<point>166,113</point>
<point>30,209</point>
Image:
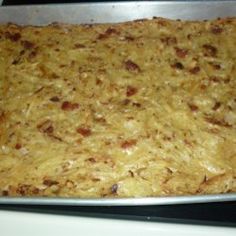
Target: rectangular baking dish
<point>111,13</point>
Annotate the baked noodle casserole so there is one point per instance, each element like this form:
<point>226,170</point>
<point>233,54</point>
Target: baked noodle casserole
<point>135,109</point>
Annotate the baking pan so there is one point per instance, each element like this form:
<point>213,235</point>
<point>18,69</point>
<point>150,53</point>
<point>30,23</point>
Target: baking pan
<point>117,12</point>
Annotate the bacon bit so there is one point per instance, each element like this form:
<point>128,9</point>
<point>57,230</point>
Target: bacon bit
<point>62,65</point>
<point>203,86</point>
<point>5,193</point>
<point>214,121</point>
<point>17,60</point>
<point>14,37</point>
<point>136,104</point>
<point>226,81</point>
<point>35,191</point>
<point>210,50</point>
<point>214,79</point>
<point>84,131</point>
<point>166,138</point>
<point>23,189</point>
<point>216,106</point>
<point>36,32</point>
<point>92,160</point>
<point>78,45</point>
<point>49,130</point>
<point>114,188</point>
<point>131,66</point>
<point>100,119</point>
<point>131,91</point>
<point>26,189</point>
<point>189,36</point>
<point>33,54</point>
<point>98,82</point>
<point>2,116</point>
<point>49,182</point>
<point>129,38</point>
<point>169,40</point>
<point>182,53</point>
<point>54,76</point>
<point>195,70</point>
<point>128,143</point>
<point>111,31</point>
<point>130,118</point>
<point>46,127</point>
<point>18,146</point>
<point>131,173</point>
<point>27,44</point>
<point>215,66</point>
<point>68,106</point>
<point>54,99</point>
<point>216,30</point>
<point>178,65</point>
<point>193,107</point>
<point>107,33</point>
<point>126,102</point>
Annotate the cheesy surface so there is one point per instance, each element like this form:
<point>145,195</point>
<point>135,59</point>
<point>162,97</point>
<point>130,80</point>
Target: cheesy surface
<point>143,108</point>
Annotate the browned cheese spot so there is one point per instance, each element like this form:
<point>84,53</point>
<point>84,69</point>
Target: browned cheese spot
<point>131,66</point>
<point>49,182</point>
<point>195,70</point>
<point>54,99</point>
<point>178,65</point>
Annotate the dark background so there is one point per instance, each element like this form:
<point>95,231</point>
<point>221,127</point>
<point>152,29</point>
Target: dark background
<point>219,214</point>
<point>23,2</point>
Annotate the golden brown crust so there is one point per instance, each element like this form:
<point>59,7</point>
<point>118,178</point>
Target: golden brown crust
<point>143,108</point>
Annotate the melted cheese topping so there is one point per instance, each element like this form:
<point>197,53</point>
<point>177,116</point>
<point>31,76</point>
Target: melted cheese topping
<point>144,108</point>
